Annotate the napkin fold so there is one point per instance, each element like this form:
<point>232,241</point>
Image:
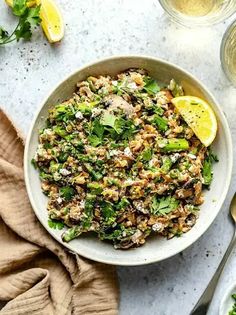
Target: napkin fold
<point>38,276</point>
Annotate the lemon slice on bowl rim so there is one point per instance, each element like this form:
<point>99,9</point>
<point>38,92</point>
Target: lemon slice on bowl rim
<point>199,116</point>
<point>52,21</point>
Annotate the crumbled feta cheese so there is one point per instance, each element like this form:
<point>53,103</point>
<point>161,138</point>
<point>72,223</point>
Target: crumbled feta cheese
<point>151,162</point>
<point>189,207</point>
<point>59,200</point>
<point>64,172</point>
<point>127,152</point>
<point>40,151</point>
<point>162,144</point>
<point>172,84</point>
<point>139,206</point>
<point>174,157</point>
<point>192,169</point>
<point>79,115</point>
<point>192,156</point>
<point>128,182</point>
<point>114,83</point>
<point>132,85</point>
<point>48,132</point>
<point>114,152</point>
<point>96,111</point>
<point>157,226</point>
<point>56,176</point>
<point>82,203</point>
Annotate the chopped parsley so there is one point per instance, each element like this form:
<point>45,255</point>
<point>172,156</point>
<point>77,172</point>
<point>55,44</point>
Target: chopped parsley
<point>207,170</point>
<point>233,309</point>
<point>164,205</point>
<point>160,122</point>
<point>151,86</point>
<point>28,18</point>
<point>67,192</point>
<point>55,224</point>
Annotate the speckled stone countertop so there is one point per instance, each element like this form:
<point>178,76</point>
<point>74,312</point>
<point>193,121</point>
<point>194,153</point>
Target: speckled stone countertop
<point>99,28</point>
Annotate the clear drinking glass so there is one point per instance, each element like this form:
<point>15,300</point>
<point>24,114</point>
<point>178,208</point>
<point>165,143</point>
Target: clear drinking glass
<point>199,12</point>
<point>228,53</point>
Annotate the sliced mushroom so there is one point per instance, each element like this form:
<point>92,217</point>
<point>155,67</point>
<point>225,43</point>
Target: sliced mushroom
<point>116,102</point>
<point>184,193</point>
<point>190,220</point>
<point>133,240</point>
<point>136,237</point>
<point>198,192</point>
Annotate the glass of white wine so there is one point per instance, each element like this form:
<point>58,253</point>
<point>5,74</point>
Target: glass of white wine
<point>228,53</point>
<point>199,12</point>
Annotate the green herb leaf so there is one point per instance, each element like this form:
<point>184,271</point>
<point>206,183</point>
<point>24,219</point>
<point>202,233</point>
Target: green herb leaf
<point>95,175</point>
<point>28,17</point>
<point>60,131</point>
<point>160,122</point>
<point>86,108</point>
<point>97,128</point>
<point>151,87</point>
<point>71,233</point>
<point>45,176</point>
<point>213,157</point>
<point>62,112</point>
<point>207,169</point>
<point>94,140</point>
<point>233,309</point>
<point>19,7</point>
<point>67,192</point>
<point>95,188</point>
<point>34,163</point>
<point>3,34</point>
<point>234,296</point>
<point>125,128</point>
<point>88,209</point>
<point>207,172</point>
<point>33,16</point>
<point>164,205</point>
<point>62,157</point>
<point>108,213</point>
<point>123,203</point>
<point>158,110</point>
<point>108,119</point>
<point>166,164</point>
<point>55,224</point>
<point>23,31</point>
<point>147,155</point>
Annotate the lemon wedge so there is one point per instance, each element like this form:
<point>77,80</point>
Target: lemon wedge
<point>52,21</point>
<point>199,116</point>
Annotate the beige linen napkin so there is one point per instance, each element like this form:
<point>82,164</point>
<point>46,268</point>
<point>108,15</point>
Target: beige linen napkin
<point>37,274</point>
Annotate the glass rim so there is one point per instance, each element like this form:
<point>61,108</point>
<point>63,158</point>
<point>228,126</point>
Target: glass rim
<point>222,52</point>
<point>193,21</point>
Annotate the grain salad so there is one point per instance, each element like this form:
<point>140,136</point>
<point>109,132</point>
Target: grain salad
<point>117,160</point>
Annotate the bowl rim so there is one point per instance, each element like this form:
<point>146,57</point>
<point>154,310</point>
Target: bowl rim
<point>227,179</point>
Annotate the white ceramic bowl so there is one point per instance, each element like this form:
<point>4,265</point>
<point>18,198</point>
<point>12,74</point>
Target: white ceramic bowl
<point>227,301</point>
<point>156,248</point>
